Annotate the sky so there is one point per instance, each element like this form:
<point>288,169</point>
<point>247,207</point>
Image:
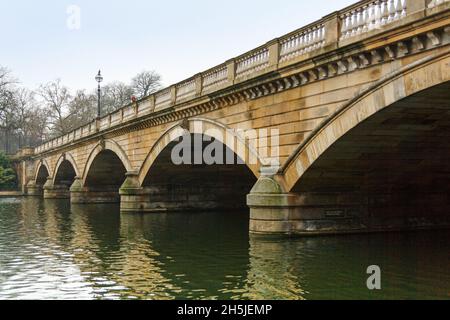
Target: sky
<point>41,41</point>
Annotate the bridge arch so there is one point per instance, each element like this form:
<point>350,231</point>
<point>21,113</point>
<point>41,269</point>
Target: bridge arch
<point>201,126</point>
<point>199,182</point>
<point>389,90</point>
<point>102,147</point>
<point>42,172</point>
<point>66,162</point>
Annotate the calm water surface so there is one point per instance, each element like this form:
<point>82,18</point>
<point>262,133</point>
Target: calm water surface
<point>49,249</point>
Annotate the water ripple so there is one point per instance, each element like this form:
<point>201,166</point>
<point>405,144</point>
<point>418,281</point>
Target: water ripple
<point>51,250</point>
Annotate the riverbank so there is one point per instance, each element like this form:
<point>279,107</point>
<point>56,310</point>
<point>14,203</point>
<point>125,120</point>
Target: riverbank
<point>11,194</point>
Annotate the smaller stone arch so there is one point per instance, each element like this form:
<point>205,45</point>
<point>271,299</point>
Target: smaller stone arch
<point>71,159</point>
<point>42,162</point>
<point>201,126</point>
<point>106,145</point>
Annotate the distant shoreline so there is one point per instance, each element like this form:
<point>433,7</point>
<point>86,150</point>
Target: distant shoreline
<point>14,193</point>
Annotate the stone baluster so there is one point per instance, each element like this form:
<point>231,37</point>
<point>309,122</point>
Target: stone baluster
<point>372,16</point>
<point>378,14</point>
<point>356,22</point>
<point>391,10</point>
<point>350,25</point>
<point>384,13</point>
<point>399,9</point>
<point>315,39</point>
<point>360,22</point>
<point>366,18</point>
<point>344,26</point>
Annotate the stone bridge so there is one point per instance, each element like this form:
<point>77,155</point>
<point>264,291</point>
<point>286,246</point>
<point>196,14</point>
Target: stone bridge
<point>359,102</point>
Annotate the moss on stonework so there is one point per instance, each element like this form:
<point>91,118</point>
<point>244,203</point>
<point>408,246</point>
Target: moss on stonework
<point>76,186</point>
<point>266,185</point>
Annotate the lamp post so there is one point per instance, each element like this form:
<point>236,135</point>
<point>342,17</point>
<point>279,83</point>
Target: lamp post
<point>99,79</point>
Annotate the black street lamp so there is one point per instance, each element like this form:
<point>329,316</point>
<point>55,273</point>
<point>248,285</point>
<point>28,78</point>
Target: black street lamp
<point>99,79</point>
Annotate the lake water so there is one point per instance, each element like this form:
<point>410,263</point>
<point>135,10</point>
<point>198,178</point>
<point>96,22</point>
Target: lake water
<point>52,250</point>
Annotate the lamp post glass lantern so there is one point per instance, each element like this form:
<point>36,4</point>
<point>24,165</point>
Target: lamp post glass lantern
<point>99,79</point>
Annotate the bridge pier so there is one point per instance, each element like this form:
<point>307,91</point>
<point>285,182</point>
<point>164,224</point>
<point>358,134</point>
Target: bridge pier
<point>274,211</point>
<point>33,189</point>
<point>85,195</point>
<point>134,198</point>
<point>52,191</point>
<point>182,195</point>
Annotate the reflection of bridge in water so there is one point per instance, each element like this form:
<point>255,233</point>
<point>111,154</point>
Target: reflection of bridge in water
<point>361,102</point>
<point>95,252</point>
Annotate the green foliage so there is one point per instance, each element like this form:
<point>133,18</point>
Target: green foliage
<point>7,174</point>
<point>4,161</point>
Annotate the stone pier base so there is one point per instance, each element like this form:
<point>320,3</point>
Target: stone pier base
<point>52,191</point>
<point>85,195</point>
<point>57,192</point>
<point>134,198</point>
<point>273,211</point>
<point>181,196</point>
<point>33,189</point>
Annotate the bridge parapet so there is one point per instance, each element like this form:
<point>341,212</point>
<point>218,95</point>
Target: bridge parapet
<point>345,28</point>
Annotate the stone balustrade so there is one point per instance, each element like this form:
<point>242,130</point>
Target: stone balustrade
<point>341,28</point>
<point>302,42</point>
<point>215,78</point>
<point>186,89</point>
<point>252,62</point>
<point>163,98</point>
<point>371,15</point>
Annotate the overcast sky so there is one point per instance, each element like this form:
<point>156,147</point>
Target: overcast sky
<point>42,40</point>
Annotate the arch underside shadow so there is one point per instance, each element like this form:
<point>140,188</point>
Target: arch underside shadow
<point>103,175</point>
<point>42,172</point>
<point>42,175</point>
<point>65,173</point>
<point>108,149</point>
<point>206,127</point>
<point>197,186</point>
<point>390,171</point>
<point>35,186</point>
<point>66,169</point>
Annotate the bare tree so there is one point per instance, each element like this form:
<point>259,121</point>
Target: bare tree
<point>145,83</point>
<point>30,119</point>
<point>8,121</point>
<point>5,78</point>
<point>6,87</point>
<point>115,95</point>
<point>23,106</point>
<point>25,120</point>
<point>56,98</point>
<point>82,109</point>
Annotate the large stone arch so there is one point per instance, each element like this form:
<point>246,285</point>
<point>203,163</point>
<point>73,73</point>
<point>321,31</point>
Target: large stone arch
<point>202,126</point>
<point>68,157</point>
<point>106,145</point>
<point>406,81</point>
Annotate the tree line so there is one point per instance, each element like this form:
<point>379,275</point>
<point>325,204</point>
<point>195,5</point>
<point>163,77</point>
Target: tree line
<point>29,117</point>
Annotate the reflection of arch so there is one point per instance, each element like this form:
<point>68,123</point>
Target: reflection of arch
<point>42,162</point>
<point>406,81</point>
<point>106,145</point>
<point>200,126</point>
<point>69,158</point>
